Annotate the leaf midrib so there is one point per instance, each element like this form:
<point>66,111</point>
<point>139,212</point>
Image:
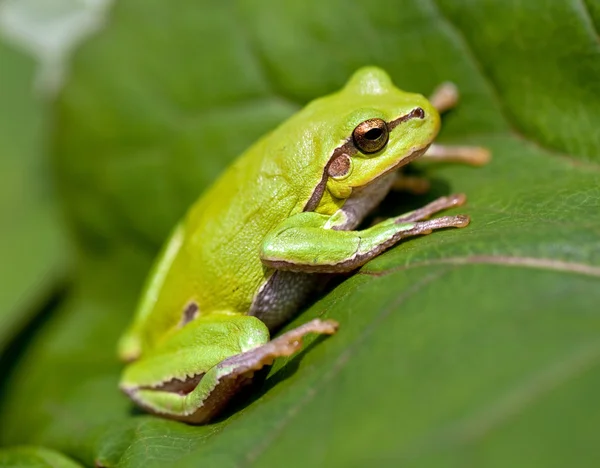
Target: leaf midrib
<point>539,263</point>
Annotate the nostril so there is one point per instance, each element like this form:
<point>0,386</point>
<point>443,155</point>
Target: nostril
<point>418,113</point>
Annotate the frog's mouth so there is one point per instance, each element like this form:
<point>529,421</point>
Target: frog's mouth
<point>412,156</point>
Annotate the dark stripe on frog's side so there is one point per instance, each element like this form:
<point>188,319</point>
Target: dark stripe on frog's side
<point>350,149</point>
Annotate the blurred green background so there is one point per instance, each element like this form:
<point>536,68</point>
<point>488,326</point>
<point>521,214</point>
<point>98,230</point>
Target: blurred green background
<point>471,348</point>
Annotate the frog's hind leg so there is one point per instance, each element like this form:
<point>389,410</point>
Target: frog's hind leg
<point>227,377</point>
<point>239,346</point>
<point>244,365</point>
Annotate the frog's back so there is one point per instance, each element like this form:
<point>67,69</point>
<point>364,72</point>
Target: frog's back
<point>226,227</point>
<point>217,266</point>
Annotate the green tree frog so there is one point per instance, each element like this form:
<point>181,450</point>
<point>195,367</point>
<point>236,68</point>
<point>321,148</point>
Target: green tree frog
<point>252,248</point>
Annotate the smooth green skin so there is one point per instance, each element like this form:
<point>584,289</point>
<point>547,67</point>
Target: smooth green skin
<point>254,213</point>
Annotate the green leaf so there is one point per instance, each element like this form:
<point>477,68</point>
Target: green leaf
<point>467,347</point>
<point>32,250</point>
<point>34,457</point>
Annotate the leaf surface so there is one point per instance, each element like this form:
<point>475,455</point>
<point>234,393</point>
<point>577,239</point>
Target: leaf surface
<point>32,249</point>
<point>475,347</point>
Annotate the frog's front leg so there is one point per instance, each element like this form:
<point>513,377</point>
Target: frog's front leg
<point>309,242</point>
<point>444,98</point>
<point>194,372</point>
<point>470,155</point>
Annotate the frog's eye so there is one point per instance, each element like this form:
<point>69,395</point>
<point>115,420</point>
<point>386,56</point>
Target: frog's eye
<point>371,135</point>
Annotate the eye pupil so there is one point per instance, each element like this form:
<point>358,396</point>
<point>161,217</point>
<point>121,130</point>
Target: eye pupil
<point>371,136</point>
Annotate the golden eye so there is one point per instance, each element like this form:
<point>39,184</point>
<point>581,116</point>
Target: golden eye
<point>371,135</point>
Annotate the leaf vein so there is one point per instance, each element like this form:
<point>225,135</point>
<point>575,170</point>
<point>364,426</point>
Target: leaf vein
<point>587,18</point>
<point>504,260</point>
<point>512,403</point>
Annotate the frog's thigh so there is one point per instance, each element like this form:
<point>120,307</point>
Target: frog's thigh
<point>224,380</point>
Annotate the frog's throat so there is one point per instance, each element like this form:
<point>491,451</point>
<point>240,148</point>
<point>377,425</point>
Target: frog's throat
<point>350,149</point>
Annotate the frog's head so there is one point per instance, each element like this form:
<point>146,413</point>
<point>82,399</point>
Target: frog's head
<point>374,128</point>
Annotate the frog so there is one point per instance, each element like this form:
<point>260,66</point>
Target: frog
<point>255,246</point>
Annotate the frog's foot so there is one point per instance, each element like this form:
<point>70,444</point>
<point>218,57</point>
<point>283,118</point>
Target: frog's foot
<point>200,398</point>
<point>444,97</point>
<point>471,155</point>
<point>440,204</point>
<point>247,363</point>
<point>410,225</point>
